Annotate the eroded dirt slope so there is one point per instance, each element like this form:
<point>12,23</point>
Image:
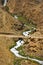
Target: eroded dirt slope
<point>31,9</point>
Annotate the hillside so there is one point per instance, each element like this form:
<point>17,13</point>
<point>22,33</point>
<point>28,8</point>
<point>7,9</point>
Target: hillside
<point>31,9</point>
<point>21,29</point>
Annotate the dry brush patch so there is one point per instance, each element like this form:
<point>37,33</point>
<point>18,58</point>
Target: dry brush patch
<point>6,57</point>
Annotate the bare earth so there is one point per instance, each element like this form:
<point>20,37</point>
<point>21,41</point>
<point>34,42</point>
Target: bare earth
<point>11,30</point>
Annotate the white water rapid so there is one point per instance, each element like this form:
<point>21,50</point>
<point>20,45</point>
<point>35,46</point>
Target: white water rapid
<point>16,53</point>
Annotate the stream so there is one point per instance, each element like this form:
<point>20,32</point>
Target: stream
<point>20,43</point>
<point>5,2</point>
<point>16,53</point>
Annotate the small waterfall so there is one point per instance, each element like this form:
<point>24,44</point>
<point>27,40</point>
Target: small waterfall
<point>5,2</point>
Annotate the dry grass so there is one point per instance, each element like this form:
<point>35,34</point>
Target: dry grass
<point>30,9</point>
<point>6,57</point>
